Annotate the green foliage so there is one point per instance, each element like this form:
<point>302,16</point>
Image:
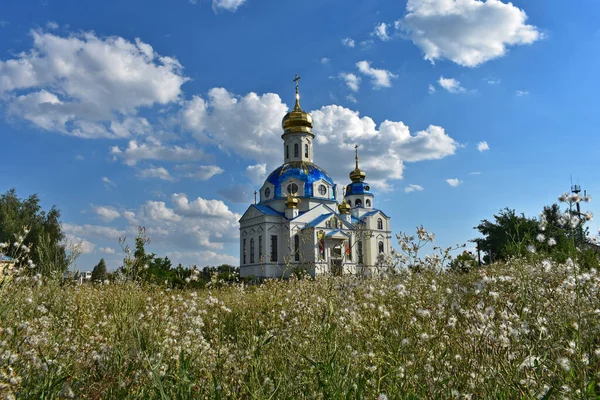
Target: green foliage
<point>463,263</point>
<point>45,236</point>
<point>99,273</point>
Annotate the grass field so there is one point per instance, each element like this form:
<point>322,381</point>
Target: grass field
<point>520,330</point>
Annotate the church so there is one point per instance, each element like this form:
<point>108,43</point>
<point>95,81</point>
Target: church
<point>300,222</point>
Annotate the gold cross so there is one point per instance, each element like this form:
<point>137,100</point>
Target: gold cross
<point>296,79</point>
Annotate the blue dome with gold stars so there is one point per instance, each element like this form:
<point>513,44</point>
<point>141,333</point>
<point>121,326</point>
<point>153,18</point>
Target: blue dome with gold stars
<point>302,171</point>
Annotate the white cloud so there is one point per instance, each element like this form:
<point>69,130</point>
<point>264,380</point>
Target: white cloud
<point>86,86</point>
<point>352,81</point>
<point>451,85</point>
<point>201,172</point>
<point>431,89</point>
<point>107,250</point>
<point>493,81</point>
<point>154,150</point>
<point>52,25</point>
<point>229,5</point>
<point>522,93</point>
<point>475,173</point>
<point>87,230</point>
<point>381,31</point>
<point>413,188</point>
<point>84,246</point>
<point>256,173</point>
<point>108,184</point>
<point>483,146</point>
<point>453,182</point>
<point>351,98</point>
<point>200,207</point>
<point>348,42</point>
<point>380,77</point>
<point>325,60</point>
<point>467,32</point>
<point>107,214</point>
<point>79,157</point>
<point>156,172</point>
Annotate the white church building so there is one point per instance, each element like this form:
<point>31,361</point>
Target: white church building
<point>299,222</point>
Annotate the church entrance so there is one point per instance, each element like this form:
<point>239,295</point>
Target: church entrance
<point>336,267</point>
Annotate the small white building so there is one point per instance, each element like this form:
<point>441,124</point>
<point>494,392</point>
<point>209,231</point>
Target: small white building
<point>299,223</point>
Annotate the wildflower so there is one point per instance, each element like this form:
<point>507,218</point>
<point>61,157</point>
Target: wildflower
<point>564,363</point>
<point>563,197</point>
<point>587,198</point>
<point>588,216</point>
<point>531,248</point>
<point>382,397</point>
<point>540,237</point>
<point>551,241</point>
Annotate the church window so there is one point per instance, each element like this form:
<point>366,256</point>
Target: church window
<point>297,248</point>
<point>328,224</point>
<point>322,190</point>
<point>274,248</point>
<point>380,247</point>
<point>267,193</point>
<point>379,223</point>
<point>368,203</point>
<point>244,252</point>
<point>296,150</point>
<point>260,248</point>
<point>337,251</point>
<point>360,252</point>
<point>358,202</point>
<point>305,151</point>
<point>252,251</point>
<point>292,188</point>
<point>287,151</point>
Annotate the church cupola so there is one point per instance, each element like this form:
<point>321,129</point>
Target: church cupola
<point>291,206</point>
<point>297,132</point>
<point>358,193</point>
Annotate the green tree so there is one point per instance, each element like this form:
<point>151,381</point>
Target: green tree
<point>463,263</point>
<point>49,252</point>
<point>99,272</point>
<point>509,235</point>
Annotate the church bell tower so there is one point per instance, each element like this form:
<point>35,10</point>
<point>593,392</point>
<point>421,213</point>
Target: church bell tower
<point>297,133</point>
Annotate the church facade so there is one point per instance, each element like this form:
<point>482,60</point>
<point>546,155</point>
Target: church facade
<point>299,222</point>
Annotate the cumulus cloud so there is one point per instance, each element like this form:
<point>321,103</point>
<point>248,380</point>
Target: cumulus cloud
<point>256,173</point>
<point>453,182</point>
<point>475,173</point>
<point>325,60</point>
<point>380,77</point>
<point>381,31</point>
<point>228,5</point>
<point>155,150</point>
<point>352,81</point>
<point>107,250</point>
<point>522,93</point>
<point>413,188</point>
<point>87,86</point>
<point>431,89</point>
<point>451,85</point>
<point>250,124</point>
<point>348,42</point>
<point>156,172</point>
<point>105,213</point>
<point>483,146</point>
<point>82,245</point>
<point>467,32</point>
<point>200,172</point>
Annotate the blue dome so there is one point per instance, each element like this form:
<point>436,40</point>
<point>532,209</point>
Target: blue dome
<point>302,171</point>
<point>358,188</point>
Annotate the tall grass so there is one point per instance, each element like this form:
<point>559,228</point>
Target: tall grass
<point>517,330</point>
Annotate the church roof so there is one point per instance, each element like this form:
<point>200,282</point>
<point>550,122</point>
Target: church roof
<point>267,210</point>
<point>371,213</point>
<point>358,188</point>
<point>336,234</point>
<point>318,220</point>
<point>302,171</point>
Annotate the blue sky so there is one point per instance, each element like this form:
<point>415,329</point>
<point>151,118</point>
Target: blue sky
<point>167,114</point>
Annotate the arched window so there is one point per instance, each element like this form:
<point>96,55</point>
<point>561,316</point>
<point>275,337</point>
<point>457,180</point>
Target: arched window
<point>305,151</point>
<point>287,151</point>
<point>244,251</point>
<point>358,202</point>
<point>379,223</point>
<point>251,250</point>
<point>297,248</point>
<point>380,247</point>
<point>368,203</point>
<point>296,150</point>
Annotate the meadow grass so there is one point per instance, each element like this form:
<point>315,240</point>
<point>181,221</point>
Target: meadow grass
<point>509,331</point>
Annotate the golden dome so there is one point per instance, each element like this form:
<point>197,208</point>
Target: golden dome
<point>344,208</point>
<point>297,120</point>
<point>357,175</point>
<point>292,201</point>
